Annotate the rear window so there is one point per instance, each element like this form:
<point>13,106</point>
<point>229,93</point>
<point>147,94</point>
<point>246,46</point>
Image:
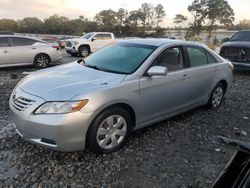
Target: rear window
<point>4,42</point>
<point>16,41</point>
<point>197,56</point>
<point>103,36</point>
<point>211,58</point>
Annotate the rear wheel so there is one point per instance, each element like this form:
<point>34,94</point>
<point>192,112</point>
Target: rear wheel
<point>41,61</point>
<point>109,130</point>
<point>217,96</point>
<point>84,51</point>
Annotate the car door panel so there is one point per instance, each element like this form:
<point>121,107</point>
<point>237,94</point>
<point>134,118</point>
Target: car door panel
<point>162,95</point>
<point>101,40</point>
<point>201,75</point>
<point>5,56</point>
<point>22,53</point>
<point>199,83</point>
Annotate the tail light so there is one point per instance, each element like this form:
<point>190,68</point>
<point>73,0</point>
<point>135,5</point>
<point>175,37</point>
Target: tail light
<point>56,47</point>
<point>231,66</point>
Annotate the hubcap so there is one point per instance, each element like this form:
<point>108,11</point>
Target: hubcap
<point>217,97</point>
<point>42,61</point>
<point>84,52</point>
<point>111,132</point>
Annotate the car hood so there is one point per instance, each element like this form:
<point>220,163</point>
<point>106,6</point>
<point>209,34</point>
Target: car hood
<point>237,44</point>
<point>67,81</point>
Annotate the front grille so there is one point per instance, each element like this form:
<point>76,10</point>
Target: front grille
<point>68,44</point>
<point>236,54</point>
<point>22,103</point>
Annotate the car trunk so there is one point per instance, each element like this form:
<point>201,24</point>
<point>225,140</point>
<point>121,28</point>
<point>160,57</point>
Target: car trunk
<point>236,54</point>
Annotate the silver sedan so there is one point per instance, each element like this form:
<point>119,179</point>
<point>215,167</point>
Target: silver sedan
<point>20,50</point>
<point>128,85</point>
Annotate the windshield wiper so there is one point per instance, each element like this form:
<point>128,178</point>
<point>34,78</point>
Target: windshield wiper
<point>92,66</point>
<point>81,61</point>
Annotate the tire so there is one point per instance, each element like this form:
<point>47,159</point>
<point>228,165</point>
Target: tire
<point>217,96</point>
<point>84,51</point>
<point>109,131</point>
<point>42,61</point>
<point>73,54</point>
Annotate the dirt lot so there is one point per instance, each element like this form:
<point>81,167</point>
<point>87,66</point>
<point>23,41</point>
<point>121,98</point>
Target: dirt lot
<point>174,153</point>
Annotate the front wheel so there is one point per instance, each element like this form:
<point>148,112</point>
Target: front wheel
<point>84,51</point>
<point>41,61</point>
<point>217,96</point>
<point>109,131</point>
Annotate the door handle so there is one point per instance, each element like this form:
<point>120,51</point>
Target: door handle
<point>33,48</point>
<point>216,69</point>
<point>185,76</point>
<point>5,51</point>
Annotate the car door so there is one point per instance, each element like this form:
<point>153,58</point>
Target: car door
<point>164,95</point>
<point>22,50</point>
<point>101,40</point>
<point>200,75</point>
<point>5,56</point>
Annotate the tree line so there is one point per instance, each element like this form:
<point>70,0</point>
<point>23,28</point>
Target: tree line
<point>207,15</point>
<point>121,22</point>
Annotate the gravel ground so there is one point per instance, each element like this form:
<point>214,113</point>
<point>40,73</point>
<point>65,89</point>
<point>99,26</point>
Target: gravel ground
<point>175,153</point>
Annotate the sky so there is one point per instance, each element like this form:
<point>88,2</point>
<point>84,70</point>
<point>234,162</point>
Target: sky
<point>18,9</point>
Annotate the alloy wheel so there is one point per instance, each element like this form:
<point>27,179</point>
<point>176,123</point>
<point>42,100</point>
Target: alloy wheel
<point>42,61</point>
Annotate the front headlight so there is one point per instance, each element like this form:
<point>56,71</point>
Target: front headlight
<point>61,107</point>
<point>74,43</point>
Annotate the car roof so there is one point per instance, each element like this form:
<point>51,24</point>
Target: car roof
<point>17,36</point>
<point>161,41</point>
<point>21,36</point>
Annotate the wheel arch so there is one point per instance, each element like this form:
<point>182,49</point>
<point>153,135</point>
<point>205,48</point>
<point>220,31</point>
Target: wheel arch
<point>86,45</point>
<point>224,83</point>
<point>125,106</point>
<point>42,53</point>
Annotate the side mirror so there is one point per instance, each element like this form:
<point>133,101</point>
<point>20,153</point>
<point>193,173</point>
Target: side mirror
<point>157,71</point>
<point>225,40</point>
<point>93,39</point>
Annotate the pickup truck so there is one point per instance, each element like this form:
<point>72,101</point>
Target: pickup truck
<point>88,43</point>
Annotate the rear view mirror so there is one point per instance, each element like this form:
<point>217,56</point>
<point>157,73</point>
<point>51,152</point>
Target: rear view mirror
<point>157,71</point>
<point>225,40</point>
<point>93,39</point>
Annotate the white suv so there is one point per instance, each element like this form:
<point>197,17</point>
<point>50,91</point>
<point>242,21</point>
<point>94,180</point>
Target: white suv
<point>90,42</point>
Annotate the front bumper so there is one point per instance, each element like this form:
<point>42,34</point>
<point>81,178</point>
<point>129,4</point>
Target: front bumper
<point>71,50</point>
<point>241,66</point>
<point>62,132</point>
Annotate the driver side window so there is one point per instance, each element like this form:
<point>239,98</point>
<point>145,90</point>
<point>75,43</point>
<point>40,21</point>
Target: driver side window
<point>171,58</point>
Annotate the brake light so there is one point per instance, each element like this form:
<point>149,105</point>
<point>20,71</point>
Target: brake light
<point>231,66</point>
<point>56,47</point>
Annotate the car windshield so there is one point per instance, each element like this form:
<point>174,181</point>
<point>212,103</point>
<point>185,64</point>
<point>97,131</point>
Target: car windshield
<point>122,58</point>
<point>241,36</point>
<point>87,35</point>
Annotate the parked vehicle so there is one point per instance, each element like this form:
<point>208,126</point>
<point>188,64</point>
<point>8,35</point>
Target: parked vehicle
<point>236,173</point>
<point>237,50</point>
<point>122,87</point>
<point>88,43</point>
<point>61,41</point>
<point>6,33</point>
<point>20,50</point>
